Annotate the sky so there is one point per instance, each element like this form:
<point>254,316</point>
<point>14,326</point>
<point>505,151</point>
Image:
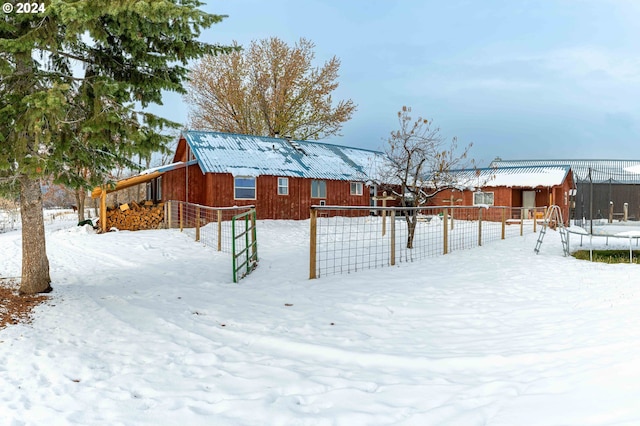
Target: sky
<point>147,328</point>
<point>519,79</point>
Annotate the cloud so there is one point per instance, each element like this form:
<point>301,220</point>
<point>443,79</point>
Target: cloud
<point>594,63</point>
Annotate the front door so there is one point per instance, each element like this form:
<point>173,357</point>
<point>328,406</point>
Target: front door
<point>528,202</point>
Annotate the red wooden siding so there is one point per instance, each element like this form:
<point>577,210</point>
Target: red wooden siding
<point>217,190</point>
<point>512,197</point>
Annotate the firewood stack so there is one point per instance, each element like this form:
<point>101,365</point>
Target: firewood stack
<point>134,216</point>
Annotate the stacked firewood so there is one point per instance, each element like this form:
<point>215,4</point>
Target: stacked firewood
<point>133,216</point>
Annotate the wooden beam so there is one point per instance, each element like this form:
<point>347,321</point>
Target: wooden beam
<point>124,184</point>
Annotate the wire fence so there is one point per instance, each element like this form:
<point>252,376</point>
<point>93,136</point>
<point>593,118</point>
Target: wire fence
<point>54,215</point>
<point>209,225</point>
<point>9,219</point>
<point>349,239</point>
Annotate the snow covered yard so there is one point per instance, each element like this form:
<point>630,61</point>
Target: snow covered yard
<point>147,328</point>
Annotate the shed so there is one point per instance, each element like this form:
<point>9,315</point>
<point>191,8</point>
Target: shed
<point>600,184</point>
<point>525,187</point>
<point>151,177</point>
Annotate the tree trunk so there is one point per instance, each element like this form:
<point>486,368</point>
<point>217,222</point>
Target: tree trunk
<point>35,264</point>
<point>411,227</point>
<point>80,197</point>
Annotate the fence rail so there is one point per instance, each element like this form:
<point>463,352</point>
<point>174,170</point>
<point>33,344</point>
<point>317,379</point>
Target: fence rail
<point>349,239</point>
<point>10,218</point>
<point>209,225</point>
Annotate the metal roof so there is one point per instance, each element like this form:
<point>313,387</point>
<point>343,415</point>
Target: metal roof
<point>616,171</point>
<point>523,176</point>
<point>246,155</point>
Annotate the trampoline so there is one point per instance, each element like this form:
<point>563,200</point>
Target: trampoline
<point>602,235</point>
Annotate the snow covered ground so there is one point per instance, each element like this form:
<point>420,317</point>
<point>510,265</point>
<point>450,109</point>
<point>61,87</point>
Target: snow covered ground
<point>146,328</point>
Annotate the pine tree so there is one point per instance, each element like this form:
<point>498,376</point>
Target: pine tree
<point>75,126</point>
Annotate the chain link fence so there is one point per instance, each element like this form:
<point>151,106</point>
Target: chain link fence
<point>349,239</point>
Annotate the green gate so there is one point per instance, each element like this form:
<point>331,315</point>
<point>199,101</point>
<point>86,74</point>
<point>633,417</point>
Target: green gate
<point>244,244</point>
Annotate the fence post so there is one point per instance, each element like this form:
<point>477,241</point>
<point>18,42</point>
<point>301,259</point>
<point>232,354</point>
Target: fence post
<point>246,240</point>
<point>254,236</point>
<point>393,238</point>
<point>165,218</point>
<point>168,217</point>
<point>626,211</point>
<point>180,211</point>
<point>219,230</point>
<point>384,213</point>
<point>480,226</point>
<point>445,229</point>
<point>103,209</point>
<point>452,210</point>
<point>234,263</point>
<point>312,244</point>
<point>610,211</point>
<point>504,222</point>
<point>522,221</point>
<point>197,223</point>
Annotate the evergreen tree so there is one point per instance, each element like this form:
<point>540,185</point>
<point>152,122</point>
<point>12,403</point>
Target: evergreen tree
<point>54,122</point>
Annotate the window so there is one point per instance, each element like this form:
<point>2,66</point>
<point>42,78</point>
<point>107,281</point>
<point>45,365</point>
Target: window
<point>244,188</point>
<point>159,188</point>
<point>483,198</point>
<point>356,188</point>
<point>318,189</point>
<point>154,189</point>
<point>283,186</point>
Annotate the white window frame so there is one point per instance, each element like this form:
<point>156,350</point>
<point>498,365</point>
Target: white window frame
<point>322,184</point>
<point>283,186</point>
<point>484,198</point>
<point>359,187</point>
<point>236,187</point>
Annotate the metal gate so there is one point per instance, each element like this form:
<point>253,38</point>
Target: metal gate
<point>244,244</point>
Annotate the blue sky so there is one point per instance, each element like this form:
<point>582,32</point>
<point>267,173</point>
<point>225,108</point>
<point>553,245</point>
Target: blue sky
<point>520,79</point>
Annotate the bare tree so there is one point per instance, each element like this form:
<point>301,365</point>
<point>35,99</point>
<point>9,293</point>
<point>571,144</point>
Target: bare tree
<point>420,161</point>
<point>269,89</point>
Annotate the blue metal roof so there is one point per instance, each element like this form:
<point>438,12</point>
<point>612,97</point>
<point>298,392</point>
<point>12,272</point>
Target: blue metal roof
<point>615,171</point>
<point>246,155</point>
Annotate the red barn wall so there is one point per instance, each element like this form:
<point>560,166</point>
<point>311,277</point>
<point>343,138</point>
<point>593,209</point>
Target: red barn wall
<point>173,185</point>
<point>502,196</point>
<point>217,190</point>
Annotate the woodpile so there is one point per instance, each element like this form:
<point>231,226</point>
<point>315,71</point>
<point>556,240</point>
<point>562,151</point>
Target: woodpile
<point>134,216</point>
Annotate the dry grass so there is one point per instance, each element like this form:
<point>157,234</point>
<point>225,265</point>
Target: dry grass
<point>14,307</point>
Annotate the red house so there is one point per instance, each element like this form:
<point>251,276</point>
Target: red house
<point>280,176</point>
<point>527,187</point>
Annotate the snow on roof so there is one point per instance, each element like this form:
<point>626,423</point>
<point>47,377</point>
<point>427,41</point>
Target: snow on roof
<point>245,155</point>
<point>616,171</point>
<point>529,177</point>
<point>166,167</point>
